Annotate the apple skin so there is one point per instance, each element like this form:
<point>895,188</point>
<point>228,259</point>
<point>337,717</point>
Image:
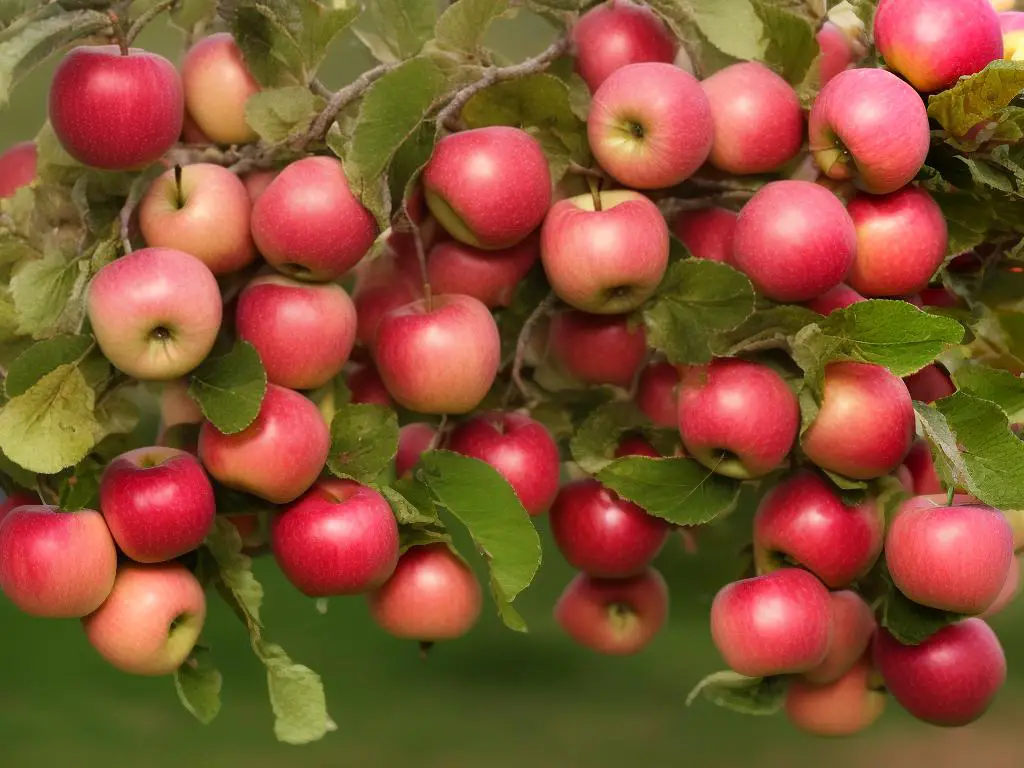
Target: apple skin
<point>155,312</point>
<point>794,240</point>
<point>431,596</point>
<point>804,519</point>
<point>929,384</point>
<point>438,358</point>
<point>157,502</point>
<point>613,35</point>
<point>116,112</point>
<point>908,222</point>
<point>757,117</point>
<point>490,276</point>
<point>413,441</point>
<point>217,85</point>
<point>921,464</point>
<point>521,449</point>
<point>844,707</point>
<point>177,406</point>
<point>1009,592</point>
<point>256,183</point>
<point>739,408</point>
<point>274,311</point>
<point>839,297</point>
<point>381,286</point>
<point>56,565</point>
<point>869,126</point>
<point>151,621</point>
<point>933,43</point>
<point>210,221</point>
<point>17,167</point>
<point>605,261</point>
<point>309,225</point>
<point>636,445</point>
<point>488,187</point>
<point>597,349</point>
<point>837,51</point>
<point>616,617</point>
<point>954,558</point>
<point>853,627</point>
<point>277,457</point>
<point>866,423</point>
<point>18,498</point>
<point>650,125</point>
<point>948,680</point>
<point>779,623</point>
<point>1011,24</point>
<point>656,394</point>
<point>708,233</point>
<point>368,388</point>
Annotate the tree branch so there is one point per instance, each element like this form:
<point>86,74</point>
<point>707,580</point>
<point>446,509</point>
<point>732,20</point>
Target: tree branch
<point>523,341</point>
<point>337,102</point>
<point>146,17</point>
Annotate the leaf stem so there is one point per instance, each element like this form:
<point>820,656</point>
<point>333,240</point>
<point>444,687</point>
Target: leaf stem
<point>145,18</point>
<point>523,342</point>
<point>337,102</point>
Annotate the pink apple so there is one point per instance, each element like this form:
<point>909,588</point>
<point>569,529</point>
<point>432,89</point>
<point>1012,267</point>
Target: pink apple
<point>413,441</point>
<point>177,406</point>
<point>843,707</point>
<point>367,387</point>
<point>1011,587</point>
<point>17,167</point>
<point>490,276</point>
<point>656,394</point>
<point>929,384</point>
<point>839,51</point>
<point>18,498</point>
<point>217,86</point>
<point>256,183</point>
<point>835,298</point>
<point>853,626</point>
<point>707,233</point>
<point>382,285</point>
<point>921,465</point>
<point>597,349</point>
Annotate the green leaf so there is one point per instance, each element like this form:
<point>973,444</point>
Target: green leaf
<point>364,440</point>
<point>42,358</point>
<point>746,695</point>
<point>1001,387</point>
<point>229,389</point>
<point>987,175</point>
<point>277,113</point>
<point>593,446</point>
<point>732,26</point>
<point>765,329</point>
<point>296,696</point>
<point>949,464</point>
<point>199,683</point>
<point>411,158</point>
<point>403,26</point>
<point>977,98</point>
<point>464,24</point>
<point>791,46</point>
<point>41,290</point>
<point>117,414</point>
<point>235,572</point>
<point>80,489</point>
<point>406,512</point>
<point>910,622</point>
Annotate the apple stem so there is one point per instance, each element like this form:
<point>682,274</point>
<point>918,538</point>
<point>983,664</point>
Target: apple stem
<point>595,191</point>
<point>118,32</point>
<point>949,496</point>
<point>179,198</point>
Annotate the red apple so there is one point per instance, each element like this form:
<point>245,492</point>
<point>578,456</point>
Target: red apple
<point>708,233</point>
<point>192,133</point>
<point>217,86</point>
<point>367,387</point>
<point>1011,587</point>
<point>844,707</point>
<point>256,183</point>
<point>490,276</point>
<point>921,465</point>
<point>838,51</point>
<point>929,384</point>
<point>250,529</point>
<point>636,445</point>
<point>853,626</point>
<point>382,285</point>
<point>597,349</point>
<point>413,440</point>
<point>656,394</point>
<point>938,297</point>
<point>17,167</point>
<point>18,498</point>
<point>835,298</point>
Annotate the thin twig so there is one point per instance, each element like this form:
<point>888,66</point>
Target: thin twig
<point>320,89</point>
<point>438,434</point>
<point>338,101</point>
<point>582,170</point>
<point>523,342</point>
<point>127,210</point>
<point>146,17</point>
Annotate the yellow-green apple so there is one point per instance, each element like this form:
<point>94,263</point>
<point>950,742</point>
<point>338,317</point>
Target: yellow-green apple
<point>616,617</point>
<point>1012,26</point>
<point>869,126</point>
<point>843,707</point>
<point>113,110</point>
<point>488,187</point>
<point>948,680</point>
<point>1011,587</point>
<point>257,182</point>
<point>339,538</point>
<point>618,33</point>
<point>367,387</point>
<point>309,225</point>
<point>151,621</point>
<point>921,465</point>
<point>277,457</point>
<point>155,312</point>
<point>933,43</point>
<point>17,167</point>
<point>438,356</point>
<point>413,440</point>
<point>757,118</point>
<point>835,298</point>
<point>656,394</point>
<point>737,417</point>
<point>929,384</point>
<point>707,233</point>
<point>865,424</point>
<point>1003,5</point>
<point>649,125</point>
<point>776,624</point>
<point>490,276</point>
<point>15,499</point>
<point>794,240</point>
<point>853,626</point>
<point>597,349</point>
<point>56,565</point>
<point>217,85</point>
<point>382,285</point>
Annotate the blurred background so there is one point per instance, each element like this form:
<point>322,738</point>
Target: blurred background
<point>494,698</point>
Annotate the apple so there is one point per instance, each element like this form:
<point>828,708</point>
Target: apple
<point>1011,24</point>
<point>158,503</point>
<point>488,187</point>
<point>605,253</point>
<point>835,298</point>
<point>921,465</point>
<point>869,126</point>
<point>838,51</point>
<point>177,406</point>
<point>431,596</point>
<point>650,125</point>
<point>201,209</point>
<point>256,183</point>
<point>277,457</point>
<point>757,117</point>
<point>116,110</point>
<point>217,86</point>
<point>309,225</point>
<point>708,233</point>
<point>17,167</point>
<point>617,617</point>
<point>155,312</point>
<point>950,679</point>
<point>439,355</point>
<point>53,564</point>
<point>636,445</point>
<point>929,384</point>
<point>736,417</point>
<point>853,626</point>
<point>844,707</point>
<point>413,441</point>
<point>656,394</point>
<point>952,557</point>
<point>151,621</point>
<point>490,276</point>
<point>613,35</point>
<point>192,133</point>
<point>933,43</point>
<point>250,529</point>
<point>597,349</point>
<point>367,387</point>
<point>274,312</point>
<point>521,449</point>
<point>382,285</point>
<point>1011,587</point>
<point>866,422</point>
<point>938,297</point>
<point>776,624</point>
<point>794,240</point>
<point>15,499</point>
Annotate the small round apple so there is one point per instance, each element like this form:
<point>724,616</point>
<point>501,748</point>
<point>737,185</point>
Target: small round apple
<point>844,707</point>
<point>656,394</point>
<point>217,86</point>
<point>413,441</point>
<point>177,406</point>
<point>381,286</point>
<point>490,276</point>
<point>17,167</point>
<point>929,384</point>
<point>597,349</point>
<point>707,233</point>
<point>17,498</point>
<point>838,51</point>
<point>1009,592</point>
<point>839,297</point>
<point>636,445</point>
<point>853,626</point>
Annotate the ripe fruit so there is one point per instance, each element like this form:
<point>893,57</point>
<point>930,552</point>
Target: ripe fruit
<point>413,440</point>
<point>439,356</point>
<point>157,502</point>
<point>18,498</point>
<point>278,456</point>
<point>950,679</point>
<point>836,298</point>
<point>737,417</point>
<point>490,276</point>
<point>155,313</point>
<point>779,623</point>
<point>929,384</point>
<point>381,286</point>
<point>617,617</point>
<point>757,117</point>
<point>597,349</point>
<point>794,240</point>
<point>841,708</point>
<point>866,422</point>
<point>869,126</point>
<point>921,465</point>
<point>56,565</point>
<point>203,212</point>
<point>650,125</point>
<point>707,233</point>
<point>256,183</point>
<point>488,187</point>
<point>839,49</point>
<point>853,626</point>
<point>613,35</point>
<point>114,111</point>
<point>217,85</point>
<point>1011,587</point>
<point>17,167</point>
<point>309,225</point>
<point>151,621</point>
<point>656,394</point>
<point>274,312</point>
<point>177,406</point>
<point>636,445</point>
<point>367,387</point>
